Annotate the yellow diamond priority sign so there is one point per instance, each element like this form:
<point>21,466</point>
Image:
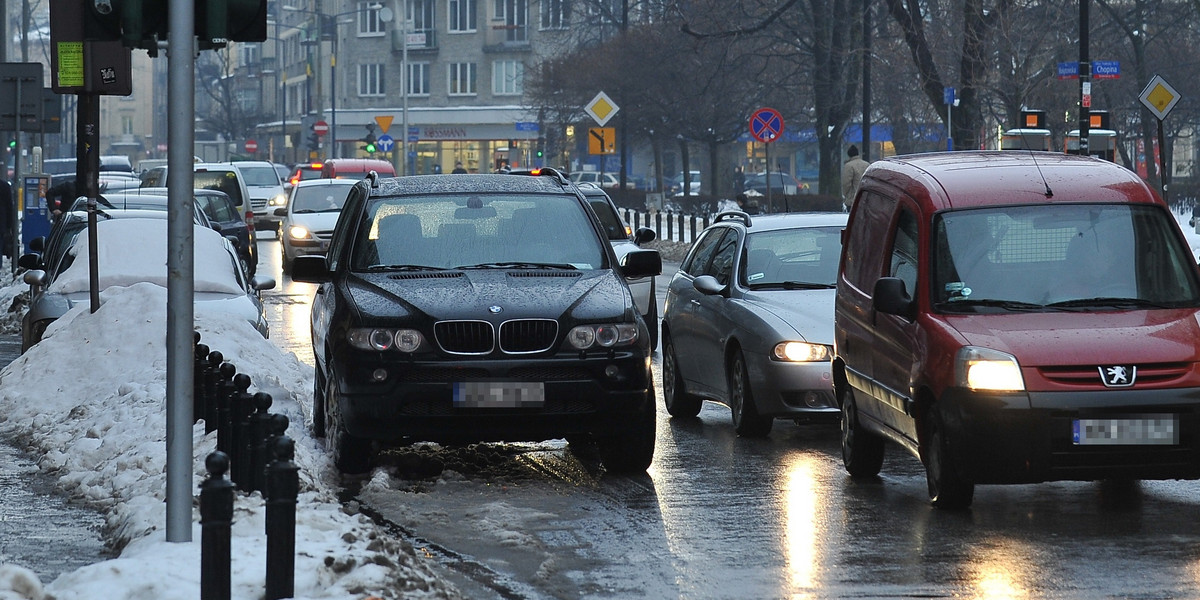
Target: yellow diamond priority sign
<point>1159,97</point>
<point>601,108</point>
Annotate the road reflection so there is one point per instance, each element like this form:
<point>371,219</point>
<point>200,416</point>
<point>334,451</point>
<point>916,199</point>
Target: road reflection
<point>802,511</point>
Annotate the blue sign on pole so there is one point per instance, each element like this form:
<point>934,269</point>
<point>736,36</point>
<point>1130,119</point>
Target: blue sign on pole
<point>766,125</point>
<point>414,134</point>
<point>385,143</point>
<point>526,126</point>
<point>1106,69</point>
<point>948,95</point>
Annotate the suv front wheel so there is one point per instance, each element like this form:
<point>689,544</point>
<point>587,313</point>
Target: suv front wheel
<point>351,455</point>
<point>631,450</point>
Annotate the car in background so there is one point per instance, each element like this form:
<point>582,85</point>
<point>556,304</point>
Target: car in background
<point>674,185</point>
<point>749,320</point>
<point>624,240</point>
<point>604,180</point>
<point>285,176</point>
<point>220,282</point>
<point>303,171</point>
<point>356,168</point>
<point>266,192</point>
<point>223,177</point>
<point>780,183</point>
<point>473,308</point>
<point>308,219</point>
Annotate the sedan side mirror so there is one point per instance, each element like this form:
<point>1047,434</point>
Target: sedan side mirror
<point>709,286</point>
<point>643,235</point>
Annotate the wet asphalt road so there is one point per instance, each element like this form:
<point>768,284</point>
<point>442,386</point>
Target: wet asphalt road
<point>40,529</point>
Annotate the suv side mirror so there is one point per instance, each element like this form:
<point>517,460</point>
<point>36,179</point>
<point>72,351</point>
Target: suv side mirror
<point>891,298</point>
<point>311,269</point>
<point>641,263</point>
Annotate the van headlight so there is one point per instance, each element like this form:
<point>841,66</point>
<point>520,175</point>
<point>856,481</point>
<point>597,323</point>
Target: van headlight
<point>978,368</point>
<point>277,200</point>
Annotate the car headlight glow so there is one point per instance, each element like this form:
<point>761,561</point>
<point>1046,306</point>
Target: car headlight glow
<point>986,369</point>
<point>801,352</point>
<point>605,335</point>
<point>381,340</point>
<point>299,232</point>
<point>279,200</point>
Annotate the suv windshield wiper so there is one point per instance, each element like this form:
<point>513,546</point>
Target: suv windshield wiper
<point>1013,305</point>
<point>404,268</point>
<point>1107,302</point>
<point>518,265</point>
<point>793,285</point>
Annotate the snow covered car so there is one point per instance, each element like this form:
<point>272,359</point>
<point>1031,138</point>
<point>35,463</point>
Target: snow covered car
<point>133,250</point>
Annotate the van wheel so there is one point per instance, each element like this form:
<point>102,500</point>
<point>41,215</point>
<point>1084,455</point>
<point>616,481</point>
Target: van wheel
<point>631,450</point>
<point>946,489</point>
<point>862,451</point>
<point>679,403</point>
<point>746,420</point>
<point>351,455</point>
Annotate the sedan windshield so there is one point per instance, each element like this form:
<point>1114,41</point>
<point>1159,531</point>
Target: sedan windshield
<point>320,198</point>
<point>1066,256</point>
<point>446,232</point>
<point>799,258</point>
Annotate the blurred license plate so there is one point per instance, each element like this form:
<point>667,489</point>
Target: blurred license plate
<point>1128,431</point>
<point>499,394</point>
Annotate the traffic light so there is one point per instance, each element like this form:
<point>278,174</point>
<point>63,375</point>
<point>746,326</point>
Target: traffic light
<point>314,141</point>
<point>541,146</point>
<point>143,23</point>
<point>369,139</point>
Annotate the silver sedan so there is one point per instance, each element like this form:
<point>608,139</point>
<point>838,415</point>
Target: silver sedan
<point>749,320</point>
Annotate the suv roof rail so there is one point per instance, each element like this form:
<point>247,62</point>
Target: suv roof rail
<point>731,215</point>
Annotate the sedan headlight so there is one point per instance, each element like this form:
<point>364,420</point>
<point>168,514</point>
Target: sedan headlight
<point>801,352</point>
<point>299,232</point>
<point>381,340</point>
<point>605,335</point>
<point>986,369</point>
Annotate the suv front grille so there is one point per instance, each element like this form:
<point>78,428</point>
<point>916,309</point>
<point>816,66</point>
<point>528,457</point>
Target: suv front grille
<point>465,337</point>
<point>525,336</point>
<point>519,336</point>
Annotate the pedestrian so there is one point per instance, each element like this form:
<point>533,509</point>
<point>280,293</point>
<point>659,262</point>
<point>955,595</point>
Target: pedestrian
<point>458,169</point>
<point>852,173</point>
<point>7,230</point>
<point>437,169</point>
<point>739,180</point>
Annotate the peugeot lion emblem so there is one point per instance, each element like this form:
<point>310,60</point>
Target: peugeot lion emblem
<point>1117,376</point>
<point>494,309</point>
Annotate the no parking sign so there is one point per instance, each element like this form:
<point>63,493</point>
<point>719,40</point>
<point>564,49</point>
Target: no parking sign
<point>766,125</point>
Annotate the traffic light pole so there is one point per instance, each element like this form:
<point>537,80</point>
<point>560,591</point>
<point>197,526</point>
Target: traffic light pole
<point>181,141</point>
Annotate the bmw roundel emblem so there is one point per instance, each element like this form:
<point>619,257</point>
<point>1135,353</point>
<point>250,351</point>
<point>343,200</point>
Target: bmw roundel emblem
<point>494,309</point>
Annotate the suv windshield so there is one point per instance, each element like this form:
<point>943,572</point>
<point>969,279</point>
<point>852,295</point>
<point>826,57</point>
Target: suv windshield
<point>1065,255</point>
<point>260,176</point>
<point>448,231</point>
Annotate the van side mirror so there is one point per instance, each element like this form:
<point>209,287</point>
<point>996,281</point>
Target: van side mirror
<point>891,298</point>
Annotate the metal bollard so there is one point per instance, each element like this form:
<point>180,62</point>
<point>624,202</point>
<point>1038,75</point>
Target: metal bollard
<point>242,405</point>
<point>283,486</point>
<point>259,423</point>
<point>199,364</point>
<point>216,519</point>
<point>212,376</point>
<point>277,425</point>
<point>225,392</point>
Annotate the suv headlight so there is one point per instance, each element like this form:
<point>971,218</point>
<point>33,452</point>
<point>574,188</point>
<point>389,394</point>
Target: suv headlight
<point>606,335</point>
<point>381,339</point>
<point>978,368</point>
<point>801,352</point>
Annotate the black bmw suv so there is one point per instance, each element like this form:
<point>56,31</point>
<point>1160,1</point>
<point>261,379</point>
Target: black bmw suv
<point>468,308</point>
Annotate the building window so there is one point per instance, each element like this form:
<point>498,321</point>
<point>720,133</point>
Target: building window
<point>418,79</point>
<point>369,23</point>
<point>370,80</point>
<point>462,79</point>
<point>420,12</point>
<point>462,16</point>
<point>126,124</point>
<point>512,13</point>
<point>507,76</point>
<point>250,54</point>
<point>556,14</point>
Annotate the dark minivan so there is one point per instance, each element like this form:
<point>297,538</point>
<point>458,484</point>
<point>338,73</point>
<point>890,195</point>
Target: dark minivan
<point>1016,317</point>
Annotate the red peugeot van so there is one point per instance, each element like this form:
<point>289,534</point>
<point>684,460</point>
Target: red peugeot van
<point>356,168</point>
<point>1016,317</point>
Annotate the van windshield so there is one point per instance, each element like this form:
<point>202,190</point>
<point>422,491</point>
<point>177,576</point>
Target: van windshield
<point>1063,256</point>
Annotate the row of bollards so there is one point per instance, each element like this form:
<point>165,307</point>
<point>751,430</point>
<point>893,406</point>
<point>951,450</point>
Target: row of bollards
<point>253,449</point>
